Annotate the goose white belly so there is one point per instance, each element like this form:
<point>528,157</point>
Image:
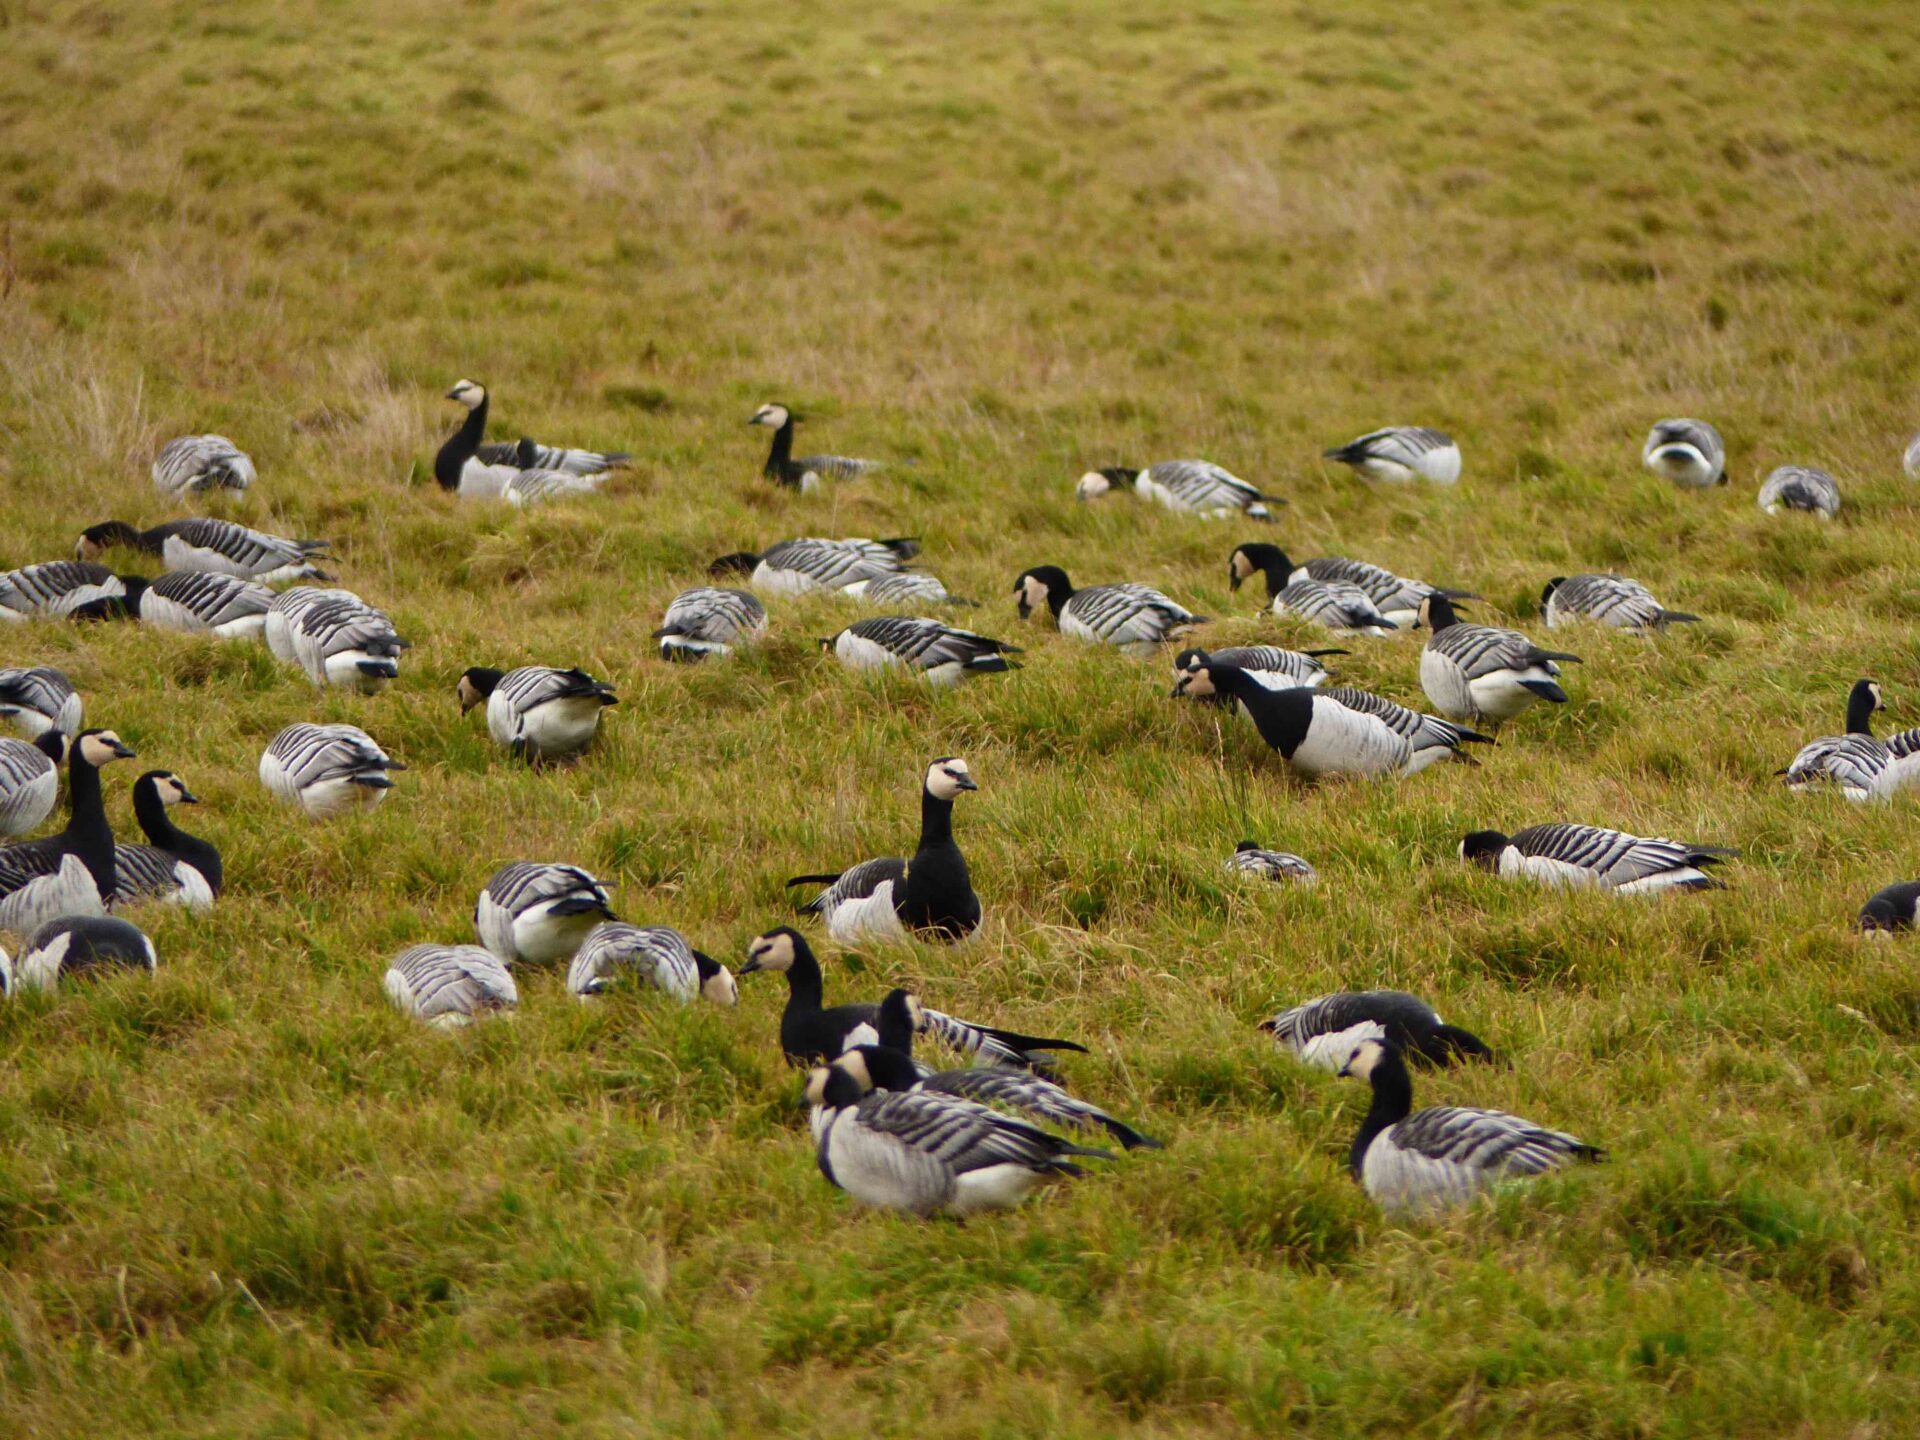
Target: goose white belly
<point>857,652</point>
<point>1340,741</point>
<point>783,582</point>
<point>1500,695</point>
<point>868,917</point>
<point>1554,874</point>
<point>1446,685</point>
<point>1406,1182</point>
<point>485,482</point>
<point>996,1187</point>
<point>69,891</point>
<point>558,727</point>
<point>880,1170</point>
<point>536,936</point>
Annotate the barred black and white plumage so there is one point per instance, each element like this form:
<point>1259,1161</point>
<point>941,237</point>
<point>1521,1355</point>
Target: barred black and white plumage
<point>649,955</point>
<point>1401,454</point>
<point>1337,607</point>
<point>1474,672</point>
<point>1568,856</point>
<point>1188,487</point>
<point>534,913</point>
<point>30,780</point>
<point>538,712</point>
<point>940,654</point>
<point>173,866</point>
<point>533,487</point>
<point>1267,665</point>
<point>1324,1032</point>
<point>1860,766</point>
<point>708,620</point>
<point>327,769</point>
<point>56,589</point>
<point>448,985</point>
<point>797,567</point>
<point>1800,487</point>
<point>906,587</point>
<point>803,473</point>
<point>1394,596</point>
<point>1252,858</point>
<point>1132,617</point>
<point>218,547</point>
<point>1344,595</point>
<point>472,468</point>
<point>1690,453</point>
<point>70,872</point>
<point>197,463</point>
<point>1430,738</point>
<point>39,698</point>
<point>335,637</point>
<point>75,947</point>
<point>1608,599</point>
<point>195,602</point>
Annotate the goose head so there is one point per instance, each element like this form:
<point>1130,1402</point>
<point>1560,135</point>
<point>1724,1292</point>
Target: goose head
<point>1259,558</point>
<point>467,393</point>
<point>100,748</point>
<point>476,684</point>
<point>772,416</point>
<point>167,787</point>
<point>778,950</point>
<point>1484,848</point>
<point>948,777</point>
<point>717,984</point>
<point>1042,585</point>
<point>1364,1059</point>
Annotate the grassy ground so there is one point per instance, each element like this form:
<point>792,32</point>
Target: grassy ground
<point>1004,243</point>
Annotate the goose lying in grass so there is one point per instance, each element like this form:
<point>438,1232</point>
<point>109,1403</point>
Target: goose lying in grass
<point>215,547</point>
<point>1252,859</point>
<point>1861,767</point>
<point>652,955</point>
<point>1392,597</point>
<point>1690,453</point>
<point>1575,857</point>
<point>77,947</point>
<point>537,712</point>
<point>1401,454</point>
<point>1323,1032</point>
<point>37,699</point>
<point>172,866</point>
<point>805,473</point>
<point>940,654</point>
<point>30,780</point>
<point>1134,618</point>
<point>194,464</point>
<point>56,589</point>
<point>450,985</point>
<point>534,914</point>
<point>72,872</point>
<point>327,769</point>
<point>800,567</point>
<point>707,621</point>
<point>494,471</point>
<point>1607,600</point>
<point>189,602</point>
<point>1800,487</point>
<point>335,637</point>
<point>1891,909</point>
<point>1480,672</point>
<point>1187,487</point>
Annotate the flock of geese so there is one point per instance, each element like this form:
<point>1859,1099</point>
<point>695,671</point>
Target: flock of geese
<point>888,1127</point>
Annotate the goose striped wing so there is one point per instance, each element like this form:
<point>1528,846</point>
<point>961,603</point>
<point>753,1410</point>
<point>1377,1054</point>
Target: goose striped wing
<point>926,643</point>
<point>1323,1031</point>
<point>907,585</point>
<point>714,615</point>
<point>1272,666</point>
<point>530,455</point>
<point>311,754</point>
<point>1397,444</point>
<point>1614,857</point>
<point>1203,485</point>
<point>1035,1098</point>
<point>1128,613</point>
<point>1800,487</point>
<point>1272,865</point>
<point>39,698</point>
<point>29,785</point>
<point>201,462</point>
<point>888,553</point>
<point>1336,605</point>
<point>56,587</point>
<point>1856,763</point>
<point>522,885</point>
<point>827,563</point>
<point>837,467</point>
<point>222,546</point>
<point>143,871</point>
<point>1422,731</point>
<point>655,954</point>
<point>1610,599</point>
<point>1490,1142</point>
<point>1385,589</point>
<point>960,1134</point>
<point>1480,650</point>
<point>986,1045</point>
<point>28,861</point>
<point>200,599</point>
<point>450,983</point>
<point>532,686</point>
<point>857,884</point>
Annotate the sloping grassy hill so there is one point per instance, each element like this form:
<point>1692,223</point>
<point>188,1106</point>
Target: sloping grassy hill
<point>996,245</point>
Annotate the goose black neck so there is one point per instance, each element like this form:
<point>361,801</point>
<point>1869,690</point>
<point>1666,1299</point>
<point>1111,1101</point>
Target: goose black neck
<point>1860,707</point>
<point>1392,1103</point>
<point>1440,612</point>
<point>938,896</point>
<point>782,451</point>
<point>461,446</point>
<point>87,834</point>
<point>157,825</point>
<point>119,532</point>
<point>936,820</point>
<point>806,992</point>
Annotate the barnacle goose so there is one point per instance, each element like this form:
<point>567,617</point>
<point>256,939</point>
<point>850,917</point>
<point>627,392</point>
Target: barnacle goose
<point>218,547</point>
<point>189,602</point>
<point>708,620</point>
<point>70,873</point>
<point>1343,608</point>
<point>1416,1163</point>
<point>798,567</point>
<point>56,589</point>
<point>806,473</point>
<point>1322,1032</point>
<point>449,985</point>
<point>1266,665</point>
<point>1250,857</point>
<point>1135,618</point>
<point>536,711</point>
<point>335,637</point>
<point>30,779</point>
<point>471,467</point>
<point>1571,857</point>
<point>327,769</point>
<point>532,487</point>
<point>1476,672</point>
<point>1609,599</point>
<point>1402,454</point>
<point>1864,768</point>
<point>906,585</point>
<point>1690,453</point>
<point>923,1152</point>
<point>38,699</point>
<point>78,947</point>
<point>939,653</point>
<point>1188,487</point>
<point>174,866</point>
<point>1891,909</point>
<point>652,955</point>
<point>1910,462</point>
<point>196,463</point>
<point>810,1031</point>
<point>930,895</point>
<point>534,914</point>
<point>1393,596</point>
<point>1800,487</point>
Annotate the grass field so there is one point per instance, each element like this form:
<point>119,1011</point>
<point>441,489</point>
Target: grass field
<point>995,245</point>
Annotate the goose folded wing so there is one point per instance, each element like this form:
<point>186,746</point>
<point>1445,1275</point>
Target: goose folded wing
<point>961,1134</point>
<point>1037,1099</point>
<point>988,1046</point>
<point>854,884</point>
<point>1487,1140</point>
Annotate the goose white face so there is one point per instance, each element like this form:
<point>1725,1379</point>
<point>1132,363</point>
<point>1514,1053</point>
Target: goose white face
<point>172,792</point>
<point>855,1064</point>
<point>1240,568</point>
<point>467,393</point>
<point>103,747</point>
<point>817,1085</point>
<point>720,988</point>
<point>771,416</point>
<point>1033,594</point>
<point>769,952</point>
<point>914,1015</point>
<point>1426,613</point>
<point>947,778</point>
<point>86,548</point>
<point>1873,689</point>
<point>1092,486</point>
<point>469,694</point>
<point>1195,680</point>
<point>1366,1055</point>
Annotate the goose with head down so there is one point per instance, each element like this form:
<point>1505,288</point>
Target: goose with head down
<point>1133,618</point>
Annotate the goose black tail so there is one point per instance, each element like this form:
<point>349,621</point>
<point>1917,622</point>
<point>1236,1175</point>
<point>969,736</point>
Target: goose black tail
<point>1449,1043</point>
<point>1674,617</point>
<point>1130,1138</point>
<point>1546,690</point>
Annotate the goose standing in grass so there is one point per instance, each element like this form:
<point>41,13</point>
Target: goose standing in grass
<point>189,602</point>
<point>173,866</point>
<point>1690,453</point>
<point>651,955</point>
<point>78,947</point>
<point>194,464</point>
<point>537,712</point>
<point>1574,857</point>
<point>327,769</point>
<point>1420,1162</point>
<point>1800,487</point>
<point>801,567</point>
<point>1402,454</point>
<point>1861,766</point>
<point>449,985</point>
<point>1480,672</point>
<point>707,621</point>
<point>805,473</point>
<point>71,873</point>
<point>1910,462</point>
<point>1891,909</point>
<point>38,699</point>
<point>56,589</point>
<point>1267,665</point>
<point>1134,618</point>
<point>1608,600</point>
<point>1252,858</point>
<point>534,914</point>
<point>940,654</point>
<point>1187,487</point>
<point>468,465</point>
<point>335,637</point>
<point>30,780</point>
<point>217,547</point>
<point>1343,608</point>
<point>930,896</point>
<point>1393,596</point>
<point>1323,1032</point>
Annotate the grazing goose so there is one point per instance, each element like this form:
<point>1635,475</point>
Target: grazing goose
<point>806,473</point>
<point>1891,909</point>
<point>30,780</point>
<point>1609,599</point>
<point>1402,454</point>
<point>1343,608</point>
<point>1417,1163</point>
<point>536,711</point>
<point>800,567</point>
<point>1187,487</point>
<point>1391,595</point>
<point>1575,857</point>
<point>79,947</point>
<point>535,914</point>
<point>190,602</point>
<point>809,1031</point>
<point>1690,453</point>
<point>930,896</point>
<point>449,985</point>
<point>196,463</point>
<point>1251,858</point>
<point>327,769</point>
<point>1800,487</point>
<point>467,465</point>
<point>56,589</point>
<point>709,621</point>
<point>939,653</point>
<point>1910,462</point>
<point>1134,618</point>
<point>1479,672</point>
<point>1863,767</point>
<point>70,873</point>
<point>1266,665</point>
<point>174,866</point>
<point>923,1152</point>
<point>904,586</point>
<point>534,487</point>
<point>217,547</point>
<point>39,699</point>
<point>1323,1032</point>
<point>652,955</point>
<point>335,637</point>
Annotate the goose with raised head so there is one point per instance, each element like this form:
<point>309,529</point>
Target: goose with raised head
<point>466,463</point>
<point>1607,600</point>
<point>1690,453</point>
<point>537,712</point>
<point>445,986</point>
<point>216,547</point>
<point>39,698</point>
<point>172,866</point>
<point>195,464</point>
<point>708,620</point>
<point>1135,619</point>
<point>1402,454</point>
<point>72,872</point>
<point>531,913</point>
<point>1481,672</point>
<point>656,956</point>
<point>1575,857</point>
<point>1322,1032</point>
<point>1859,765</point>
<point>942,655</point>
<point>1187,487</point>
<point>807,471</point>
<point>327,770</point>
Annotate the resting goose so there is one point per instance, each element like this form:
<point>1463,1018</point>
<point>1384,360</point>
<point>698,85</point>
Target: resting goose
<point>174,866</point>
<point>534,914</point>
<point>190,602</point>
<point>471,467</point>
<point>805,473</point>
<point>79,947</point>
<point>39,699</point>
<point>930,896</point>
<point>1417,1163</point>
<point>1134,618</point>
<point>536,711</point>
<point>1251,858</point>
<point>1343,608</point>
<point>1187,487</point>
<point>1891,909</point>
<point>30,780</point>
<point>449,985</point>
<point>1800,487</point>
<point>1480,672</point>
<point>335,637</point>
<point>1391,595</point>
<point>56,589</point>
<point>217,547</point>
<point>1690,453</point>
<point>709,621</point>
<point>1324,1031</point>
<point>196,463</point>
<point>327,769</point>
<point>914,586</point>
<point>1863,767</point>
<point>1608,599</point>
<point>71,873</point>
<point>651,955</point>
<point>800,567</point>
<point>1572,857</point>
<point>940,654</point>
<point>1266,665</point>
<point>1402,454</point>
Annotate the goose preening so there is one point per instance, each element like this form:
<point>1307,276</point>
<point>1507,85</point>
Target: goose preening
<point>1187,487</point>
<point>1607,600</point>
<point>1891,909</point>
<point>493,471</point>
<point>799,567</point>
<point>1402,454</point>
<point>1418,1162</point>
<point>30,779</point>
<point>1861,766</point>
<point>78,947</point>
<point>805,473</point>
<point>189,602</point>
<point>56,589</point>
<point>940,654</point>
<point>1135,618</point>
<point>196,463</point>
<point>1480,672</point>
<point>615,953</point>
<point>1800,487</point>
<point>536,711</point>
<point>924,1152</point>
<point>449,985</point>
<point>327,769</point>
<point>1324,1031</point>
<point>906,586</point>
<point>930,896</point>
<point>37,699</point>
<point>534,914</point>
<point>1388,595</point>
<point>1250,857</point>
<point>218,547</point>
<point>1267,665</point>
<point>335,637</point>
<point>1910,462</point>
<point>1690,453</point>
<point>1573,857</point>
<point>708,620</point>
<point>72,872</point>
<point>173,866</point>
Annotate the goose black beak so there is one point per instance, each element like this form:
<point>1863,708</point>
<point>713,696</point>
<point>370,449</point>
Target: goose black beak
<point>752,966</point>
<point>123,752</point>
<point>187,797</point>
<point>453,395</point>
<point>965,782</point>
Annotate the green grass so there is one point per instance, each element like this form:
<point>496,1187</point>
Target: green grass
<point>1003,243</point>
